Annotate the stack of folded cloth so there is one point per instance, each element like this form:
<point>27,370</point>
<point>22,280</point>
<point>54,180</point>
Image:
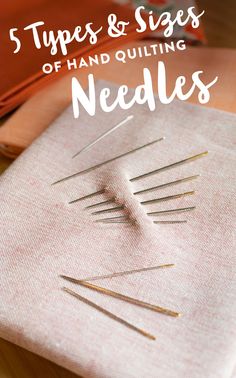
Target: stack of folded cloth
<point>21,73</point>
<point>43,236</point>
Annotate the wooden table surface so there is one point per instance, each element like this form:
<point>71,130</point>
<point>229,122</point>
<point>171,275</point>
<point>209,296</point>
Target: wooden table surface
<point>15,362</point>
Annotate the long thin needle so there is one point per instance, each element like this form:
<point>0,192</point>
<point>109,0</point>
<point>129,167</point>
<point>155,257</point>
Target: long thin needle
<point>110,210</point>
<point>172,211</point>
<point>106,162</point>
<point>101,203</point>
<point>109,314</point>
<point>169,198</point>
<point>122,217</point>
<point>118,274</point>
<point>119,222</point>
<point>169,222</point>
<point>102,191</point>
<point>127,119</point>
<point>125,298</point>
<point>172,183</point>
<point>170,166</point>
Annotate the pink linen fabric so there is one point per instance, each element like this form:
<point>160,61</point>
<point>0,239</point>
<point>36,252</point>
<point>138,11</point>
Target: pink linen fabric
<point>42,236</point>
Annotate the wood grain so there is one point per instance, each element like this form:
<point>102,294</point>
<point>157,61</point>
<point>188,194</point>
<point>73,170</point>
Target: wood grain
<point>15,362</point>
<point>4,163</point>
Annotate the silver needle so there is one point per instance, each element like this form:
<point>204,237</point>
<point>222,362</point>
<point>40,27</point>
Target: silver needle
<point>102,191</point>
<point>122,217</point>
<point>106,162</point>
<point>172,183</point>
<point>171,211</point>
<point>111,210</point>
<point>170,166</point>
<point>119,222</point>
<point>101,203</point>
<point>162,199</point>
<point>127,119</point>
<point>169,222</point>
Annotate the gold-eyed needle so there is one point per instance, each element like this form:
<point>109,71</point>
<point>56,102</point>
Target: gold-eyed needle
<point>118,274</point>
<point>171,211</point>
<point>112,200</point>
<point>127,119</point>
<point>170,166</point>
<point>110,210</point>
<point>129,299</point>
<point>102,191</point>
<point>169,198</point>
<point>172,183</point>
<point>106,162</point>
<point>109,314</point>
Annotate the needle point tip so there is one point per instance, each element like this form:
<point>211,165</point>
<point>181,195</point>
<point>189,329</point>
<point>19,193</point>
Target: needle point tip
<point>152,337</point>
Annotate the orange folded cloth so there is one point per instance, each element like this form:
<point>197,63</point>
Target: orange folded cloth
<point>21,73</point>
<point>37,113</point>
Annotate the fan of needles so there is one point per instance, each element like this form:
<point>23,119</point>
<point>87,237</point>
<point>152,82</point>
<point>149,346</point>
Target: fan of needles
<point>112,205</point>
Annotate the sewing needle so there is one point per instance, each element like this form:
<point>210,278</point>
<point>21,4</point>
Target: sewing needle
<point>112,200</point>
<point>106,162</point>
<point>122,217</point>
<point>172,183</point>
<point>127,119</point>
<point>109,314</point>
<point>110,210</point>
<point>131,300</point>
<point>119,222</point>
<point>118,274</point>
<point>169,198</point>
<point>170,166</point>
<point>102,191</point>
<point>169,222</point>
<point>171,211</point>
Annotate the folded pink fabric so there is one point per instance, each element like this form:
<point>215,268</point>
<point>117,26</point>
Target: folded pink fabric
<point>42,236</point>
